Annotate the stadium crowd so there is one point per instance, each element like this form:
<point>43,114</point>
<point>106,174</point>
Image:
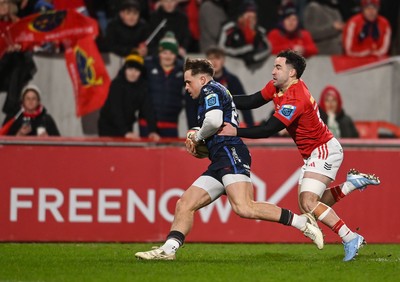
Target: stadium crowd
<point>160,34</point>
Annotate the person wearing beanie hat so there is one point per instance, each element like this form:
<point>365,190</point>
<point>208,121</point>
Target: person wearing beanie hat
<point>244,38</point>
<point>164,73</point>
<point>289,35</point>
<point>367,33</point>
<point>134,61</point>
<point>168,42</point>
<point>32,119</point>
<point>127,97</point>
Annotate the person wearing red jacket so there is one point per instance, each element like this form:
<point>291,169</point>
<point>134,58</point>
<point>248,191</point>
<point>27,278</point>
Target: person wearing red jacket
<point>289,35</point>
<point>367,33</point>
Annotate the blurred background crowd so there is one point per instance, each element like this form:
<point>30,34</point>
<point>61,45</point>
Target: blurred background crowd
<point>153,38</point>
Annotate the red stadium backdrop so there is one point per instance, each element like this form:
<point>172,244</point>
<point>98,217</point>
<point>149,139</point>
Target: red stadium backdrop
<point>127,193</point>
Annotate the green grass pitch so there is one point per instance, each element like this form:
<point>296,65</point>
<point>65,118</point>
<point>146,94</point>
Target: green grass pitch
<point>196,262</point>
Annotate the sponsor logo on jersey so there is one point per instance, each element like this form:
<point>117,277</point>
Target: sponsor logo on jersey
<point>287,111</point>
<point>212,101</point>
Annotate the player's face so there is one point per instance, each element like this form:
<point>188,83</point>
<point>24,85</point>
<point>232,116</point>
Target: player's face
<point>130,17</point>
<point>281,73</point>
<point>370,12</point>
<point>193,84</point>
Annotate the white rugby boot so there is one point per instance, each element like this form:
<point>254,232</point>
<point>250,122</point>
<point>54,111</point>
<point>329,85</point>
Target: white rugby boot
<point>155,254</point>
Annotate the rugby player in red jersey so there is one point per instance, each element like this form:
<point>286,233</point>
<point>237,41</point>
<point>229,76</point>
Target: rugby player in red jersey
<point>297,111</point>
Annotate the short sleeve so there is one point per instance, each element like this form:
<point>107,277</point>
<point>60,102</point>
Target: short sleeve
<point>268,91</point>
<point>212,99</point>
<point>289,110</point>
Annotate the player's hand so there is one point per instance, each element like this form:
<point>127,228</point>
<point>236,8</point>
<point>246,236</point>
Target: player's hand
<point>228,130</point>
<point>190,147</point>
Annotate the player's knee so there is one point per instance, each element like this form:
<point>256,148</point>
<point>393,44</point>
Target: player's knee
<point>243,210</point>
<point>307,202</point>
<point>182,205</point>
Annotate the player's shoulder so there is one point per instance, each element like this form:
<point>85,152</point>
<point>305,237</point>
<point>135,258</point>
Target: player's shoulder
<point>212,88</point>
<point>298,92</point>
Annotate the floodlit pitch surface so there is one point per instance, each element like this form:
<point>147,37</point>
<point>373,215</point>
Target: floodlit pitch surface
<point>197,262</point>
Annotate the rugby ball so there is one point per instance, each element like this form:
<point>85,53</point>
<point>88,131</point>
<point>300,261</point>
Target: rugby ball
<point>201,149</point>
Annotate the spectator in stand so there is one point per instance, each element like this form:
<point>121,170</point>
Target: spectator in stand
<point>289,35</point>
<point>8,14</point>
<point>127,32</point>
<point>217,57</point>
<point>177,22</point>
<point>43,6</point>
<point>165,80</point>
<point>34,119</point>
<point>16,68</point>
<point>333,115</point>
<point>212,15</point>
<point>128,95</point>
<point>243,38</point>
<point>367,33</point>
<point>323,20</point>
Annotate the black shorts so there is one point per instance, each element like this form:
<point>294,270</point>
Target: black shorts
<point>229,159</point>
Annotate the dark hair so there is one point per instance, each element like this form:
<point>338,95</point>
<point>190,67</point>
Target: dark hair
<point>215,51</point>
<point>197,66</point>
<point>296,60</point>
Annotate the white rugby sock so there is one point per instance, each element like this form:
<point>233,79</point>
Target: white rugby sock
<point>170,246</point>
<point>347,188</point>
<point>299,221</point>
<point>346,234</point>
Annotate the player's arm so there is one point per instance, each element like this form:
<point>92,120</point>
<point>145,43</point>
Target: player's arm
<point>273,126</point>
<point>212,123</point>
<point>248,102</point>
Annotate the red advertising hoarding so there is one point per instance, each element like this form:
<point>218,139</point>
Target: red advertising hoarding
<point>113,192</point>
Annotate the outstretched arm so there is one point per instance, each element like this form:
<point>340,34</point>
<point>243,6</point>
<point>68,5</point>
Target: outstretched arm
<point>248,102</point>
<point>272,127</point>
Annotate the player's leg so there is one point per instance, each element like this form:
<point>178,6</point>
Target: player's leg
<point>239,190</point>
<point>355,181</point>
<point>202,192</point>
<point>318,172</point>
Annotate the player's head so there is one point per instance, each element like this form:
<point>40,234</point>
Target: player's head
<point>198,72</point>
<point>294,59</point>
<point>288,66</point>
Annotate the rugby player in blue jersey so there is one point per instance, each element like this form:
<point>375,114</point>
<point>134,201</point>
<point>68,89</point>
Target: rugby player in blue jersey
<point>229,171</point>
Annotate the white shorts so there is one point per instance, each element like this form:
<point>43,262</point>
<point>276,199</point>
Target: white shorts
<point>215,188</point>
<point>325,159</point>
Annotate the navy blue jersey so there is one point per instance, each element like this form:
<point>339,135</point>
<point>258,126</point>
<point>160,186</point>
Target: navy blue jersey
<point>213,96</point>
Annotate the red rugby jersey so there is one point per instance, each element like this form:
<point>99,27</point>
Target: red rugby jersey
<point>298,110</point>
